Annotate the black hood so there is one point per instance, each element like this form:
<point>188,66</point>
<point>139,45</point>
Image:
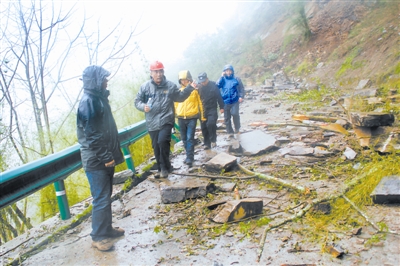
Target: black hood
<point>93,77</point>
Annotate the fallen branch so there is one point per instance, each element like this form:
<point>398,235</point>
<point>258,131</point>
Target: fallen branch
<point>275,180</point>
<point>349,186</point>
<point>215,176</point>
<point>365,216</point>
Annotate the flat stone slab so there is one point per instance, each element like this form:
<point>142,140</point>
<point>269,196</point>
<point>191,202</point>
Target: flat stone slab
<point>371,119</point>
<point>188,188</point>
<point>122,176</point>
<point>387,191</point>
<point>366,92</point>
<point>222,161</point>
<point>297,151</point>
<point>236,210</point>
<point>257,142</point>
<point>363,84</point>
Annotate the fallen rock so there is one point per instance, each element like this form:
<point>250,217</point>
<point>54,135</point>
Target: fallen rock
<point>363,84</point>
<point>236,210</point>
<point>122,176</point>
<point>371,119</point>
<point>257,142</point>
<point>181,190</point>
<point>222,161</point>
<point>387,191</point>
<point>349,153</point>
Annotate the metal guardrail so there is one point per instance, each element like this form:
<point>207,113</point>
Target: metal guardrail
<point>20,182</point>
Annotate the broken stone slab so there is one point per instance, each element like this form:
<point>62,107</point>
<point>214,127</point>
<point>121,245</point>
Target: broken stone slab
<point>349,153</point>
<point>227,187</point>
<point>268,83</point>
<point>222,161</point>
<point>122,176</point>
<point>257,142</point>
<point>387,191</point>
<point>181,190</point>
<point>236,210</point>
<point>297,151</point>
<point>362,84</point>
<point>385,139</point>
<point>366,92</point>
<point>371,119</point>
<point>304,159</point>
<point>235,147</point>
<point>374,100</point>
<point>335,251</point>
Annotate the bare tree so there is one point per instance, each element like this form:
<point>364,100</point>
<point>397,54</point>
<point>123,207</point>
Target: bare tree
<point>43,47</point>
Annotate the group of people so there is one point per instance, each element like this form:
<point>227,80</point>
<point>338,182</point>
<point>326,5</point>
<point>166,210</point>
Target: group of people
<point>190,102</point>
<point>163,102</point>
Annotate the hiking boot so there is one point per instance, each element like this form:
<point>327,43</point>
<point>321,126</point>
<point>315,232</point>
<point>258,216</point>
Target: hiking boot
<point>103,245</point>
<point>188,162</point>
<point>206,147</point>
<point>164,173</point>
<point>116,232</point>
<point>213,144</point>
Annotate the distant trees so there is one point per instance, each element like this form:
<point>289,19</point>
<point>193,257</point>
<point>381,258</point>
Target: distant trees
<point>44,48</point>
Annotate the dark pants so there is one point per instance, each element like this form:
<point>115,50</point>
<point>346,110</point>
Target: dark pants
<point>209,128</point>
<point>232,110</point>
<point>188,128</point>
<point>161,143</point>
<point>100,182</point>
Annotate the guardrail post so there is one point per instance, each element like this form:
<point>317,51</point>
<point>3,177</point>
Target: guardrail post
<point>62,200</point>
<point>175,138</point>
<point>128,158</point>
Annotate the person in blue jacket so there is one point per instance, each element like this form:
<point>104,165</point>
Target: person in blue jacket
<point>232,92</point>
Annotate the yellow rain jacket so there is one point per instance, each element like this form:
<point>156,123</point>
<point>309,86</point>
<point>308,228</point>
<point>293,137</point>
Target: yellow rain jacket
<point>192,106</point>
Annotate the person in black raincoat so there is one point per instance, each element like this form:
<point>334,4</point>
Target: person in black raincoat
<point>100,152</point>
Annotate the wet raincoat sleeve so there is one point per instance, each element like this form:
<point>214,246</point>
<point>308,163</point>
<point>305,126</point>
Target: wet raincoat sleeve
<point>179,96</point>
<point>140,100</point>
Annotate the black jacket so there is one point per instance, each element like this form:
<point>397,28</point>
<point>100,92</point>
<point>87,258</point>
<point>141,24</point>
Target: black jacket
<point>96,128</point>
<point>211,98</point>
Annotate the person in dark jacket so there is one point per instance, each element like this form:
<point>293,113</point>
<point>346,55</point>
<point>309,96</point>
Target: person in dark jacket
<point>160,114</point>
<point>100,152</point>
<point>232,92</point>
<point>211,99</point>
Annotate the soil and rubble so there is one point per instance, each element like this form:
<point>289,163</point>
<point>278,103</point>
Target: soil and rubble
<point>245,202</point>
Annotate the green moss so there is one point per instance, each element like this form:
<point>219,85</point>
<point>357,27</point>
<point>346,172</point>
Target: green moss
<point>348,63</point>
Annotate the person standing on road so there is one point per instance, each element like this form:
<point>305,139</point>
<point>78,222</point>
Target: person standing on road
<point>211,99</point>
<point>100,152</point>
<point>156,98</point>
<point>187,113</point>
<point>232,92</point>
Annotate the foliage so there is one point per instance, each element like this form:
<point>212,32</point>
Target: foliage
<point>300,20</point>
<point>348,62</point>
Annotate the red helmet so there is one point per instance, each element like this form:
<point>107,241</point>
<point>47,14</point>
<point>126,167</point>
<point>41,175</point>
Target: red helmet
<point>156,65</point>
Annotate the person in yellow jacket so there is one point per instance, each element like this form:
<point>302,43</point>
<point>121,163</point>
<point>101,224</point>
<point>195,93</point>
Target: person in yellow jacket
<point>187,113</point>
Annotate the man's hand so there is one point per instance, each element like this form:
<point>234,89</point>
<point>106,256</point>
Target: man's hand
<point>146,108</point>
<point>110,164</point>
<point>240,100</point>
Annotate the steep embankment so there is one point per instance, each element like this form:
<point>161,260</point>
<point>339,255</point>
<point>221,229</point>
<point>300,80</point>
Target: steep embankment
<point>353,40</point>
